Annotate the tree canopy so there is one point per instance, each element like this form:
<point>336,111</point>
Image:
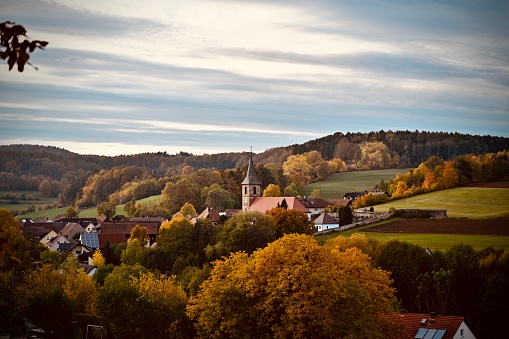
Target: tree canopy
<point>293,288</point>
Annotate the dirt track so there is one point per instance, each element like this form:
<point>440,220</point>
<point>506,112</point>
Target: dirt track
<point>496,226</point>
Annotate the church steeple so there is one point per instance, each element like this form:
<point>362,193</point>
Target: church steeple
<point>251,186</point>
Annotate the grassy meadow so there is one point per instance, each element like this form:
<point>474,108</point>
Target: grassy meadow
<point>337,185</point>
<point>460,202</point>
<point>432,241</point>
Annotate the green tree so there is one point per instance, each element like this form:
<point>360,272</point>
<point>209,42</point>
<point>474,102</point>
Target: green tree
<point>153,306</point>
<point>291,191</point>
<point>293,288</point>
<point>133,252</point>
<point>272,191</point>
<point>218,198</point>
<point>107,209</point>
<point>406,262</point>
<point>247,231</point>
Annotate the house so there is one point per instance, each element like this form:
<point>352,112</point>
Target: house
<point>71,230</point>
<point>91,228</point>
<point>432,326</point>
<point>208,213</point>
<point>76,248</point>
<point>315,205</point>
<point>46,239</point>
<point>91,240</point>
<point>54,244</point>
<point>325,222</point>
<point>124,228</point>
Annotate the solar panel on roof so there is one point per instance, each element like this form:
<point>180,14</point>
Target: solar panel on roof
<point>420,334</point>
<point>90,240</point>
<point>439,334</point>
<point>431,332</point>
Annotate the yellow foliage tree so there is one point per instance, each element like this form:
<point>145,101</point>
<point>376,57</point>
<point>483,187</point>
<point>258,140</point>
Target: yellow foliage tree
<point>272,191</point>
<point>294,288</point>
<point>98,258</point>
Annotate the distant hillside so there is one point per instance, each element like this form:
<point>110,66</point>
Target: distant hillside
<point>23,167</point>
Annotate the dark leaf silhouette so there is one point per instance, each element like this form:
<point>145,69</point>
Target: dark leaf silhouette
<point>14,51</point>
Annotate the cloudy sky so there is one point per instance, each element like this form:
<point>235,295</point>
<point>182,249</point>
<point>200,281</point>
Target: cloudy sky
<point>212,76</point>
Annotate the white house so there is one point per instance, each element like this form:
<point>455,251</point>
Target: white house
<point>325,222</point>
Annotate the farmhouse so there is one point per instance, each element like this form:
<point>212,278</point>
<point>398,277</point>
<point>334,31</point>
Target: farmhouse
<point>432,326</point>
<point>326,222</point>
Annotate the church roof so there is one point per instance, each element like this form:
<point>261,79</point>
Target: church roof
<point>251,177</point>
<point>263,204</point>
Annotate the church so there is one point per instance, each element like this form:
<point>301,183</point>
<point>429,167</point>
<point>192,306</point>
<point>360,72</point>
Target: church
<point>252,199</point>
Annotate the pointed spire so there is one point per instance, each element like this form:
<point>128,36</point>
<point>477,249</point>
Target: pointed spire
<point>251,177</point>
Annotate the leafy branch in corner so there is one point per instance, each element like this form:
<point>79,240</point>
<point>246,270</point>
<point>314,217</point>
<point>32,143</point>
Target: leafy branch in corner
<point>15,50</point>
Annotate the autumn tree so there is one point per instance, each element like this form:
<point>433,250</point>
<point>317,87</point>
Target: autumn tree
<point>107,209</point>
<point>291,221</point>
<point>293,288</point>
<point>15,50</point>
<point>14,248</point>
<point>374,155</point>
<point>98,258</point>
<point>71,212</point>
<point>175,195</point>
<point>130,208</point>
<point>272,190</point>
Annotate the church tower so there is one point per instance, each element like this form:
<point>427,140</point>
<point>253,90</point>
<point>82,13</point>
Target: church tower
<point>251,186</point>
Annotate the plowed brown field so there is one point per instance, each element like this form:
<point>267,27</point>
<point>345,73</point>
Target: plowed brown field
<point>495,226</point>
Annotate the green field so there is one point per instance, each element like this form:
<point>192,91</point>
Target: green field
<point>337,185</point>
<point>460,202</point>
<point>432,241</point>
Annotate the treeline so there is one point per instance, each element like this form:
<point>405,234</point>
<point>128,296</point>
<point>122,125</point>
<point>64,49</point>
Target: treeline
<point>436,174</point>
<point>179,289</point>
<point>87,180</point>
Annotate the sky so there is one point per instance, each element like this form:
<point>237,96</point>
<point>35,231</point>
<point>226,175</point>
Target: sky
<point>214,76</point>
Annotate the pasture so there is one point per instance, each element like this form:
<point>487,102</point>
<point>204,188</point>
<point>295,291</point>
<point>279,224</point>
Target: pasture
<point>337,185</point>
<point>460,202</point>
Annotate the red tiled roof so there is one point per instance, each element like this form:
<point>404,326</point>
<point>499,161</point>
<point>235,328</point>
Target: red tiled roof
<point>264,204</point>
<point>113,238</point>
<point>127,226</point>
<point>209,213</point>
<point>314,202</point>
<point>414,321</point>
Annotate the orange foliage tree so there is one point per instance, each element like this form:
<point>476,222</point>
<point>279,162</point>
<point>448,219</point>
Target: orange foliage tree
<point>294,288</point>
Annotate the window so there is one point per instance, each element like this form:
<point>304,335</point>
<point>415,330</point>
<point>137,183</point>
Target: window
<point>254,190</point>
<point>245,190</point>
<point>462,333</point>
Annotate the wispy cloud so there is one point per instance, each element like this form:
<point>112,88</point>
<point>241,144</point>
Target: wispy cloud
<point>227,74</point>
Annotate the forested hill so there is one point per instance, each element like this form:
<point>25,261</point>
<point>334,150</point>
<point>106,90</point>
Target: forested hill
<point>412,147</point>
<point>404,147</point>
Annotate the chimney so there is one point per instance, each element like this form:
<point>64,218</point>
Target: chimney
<point>433,316</point>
